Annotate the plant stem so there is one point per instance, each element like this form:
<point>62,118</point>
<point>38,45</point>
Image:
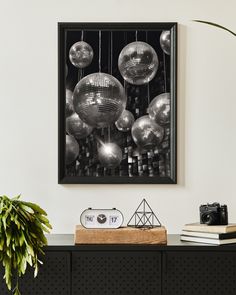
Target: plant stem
<point>215,25</point>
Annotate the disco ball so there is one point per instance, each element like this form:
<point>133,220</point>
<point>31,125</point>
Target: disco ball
<point>69,103</point>
<point>125,122</point>
<point>99,99</point>
<point>109,155</point>
<point>147,133</point>
<point>72,149</point>
<point>159,109</point>
<point>165,41</point>
<point>138,63</point>
<point>81,54</point>
<point>76,127</point>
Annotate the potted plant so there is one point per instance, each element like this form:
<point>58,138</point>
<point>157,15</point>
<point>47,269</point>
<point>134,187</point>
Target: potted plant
<point>22,227</point>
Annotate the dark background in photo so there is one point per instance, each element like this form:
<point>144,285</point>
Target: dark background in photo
<point>135,162</point>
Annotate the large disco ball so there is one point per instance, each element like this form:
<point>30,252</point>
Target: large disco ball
<point>138,63</point>
<point>72,149</point>
<point>109,155</point>
<point>125,122</point>
<point>76,127</point>
<point>159,109</point>
<point>165,41</point>
<point>69,103</point>
<point>99,99</point>
<point>81,54</point>
<point>147,133</point>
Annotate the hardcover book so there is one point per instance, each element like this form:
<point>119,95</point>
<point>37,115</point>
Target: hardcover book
<point>197,227</point>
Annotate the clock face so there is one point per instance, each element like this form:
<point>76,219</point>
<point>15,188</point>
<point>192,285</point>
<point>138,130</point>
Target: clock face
<point>101,218</point>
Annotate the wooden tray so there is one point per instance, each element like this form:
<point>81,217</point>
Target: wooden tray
<point>123,235</point>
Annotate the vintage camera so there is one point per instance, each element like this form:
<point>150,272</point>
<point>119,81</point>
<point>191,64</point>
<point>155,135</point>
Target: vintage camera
<point>214,214</point>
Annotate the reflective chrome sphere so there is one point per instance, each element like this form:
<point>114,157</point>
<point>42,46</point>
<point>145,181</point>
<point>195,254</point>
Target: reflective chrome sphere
<point>109,155</point>
<point>165,41</point>
<point>99,99</point>
<point>138,63</point>
<point>81,54</point>
<point>76,127</point>
<point>159,109</point>
<point>72,149</point>
<point>125,122</point>
<point>69,103</point>
<point>146,133</point>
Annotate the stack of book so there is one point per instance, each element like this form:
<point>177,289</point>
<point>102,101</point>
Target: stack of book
<point>209,234</point>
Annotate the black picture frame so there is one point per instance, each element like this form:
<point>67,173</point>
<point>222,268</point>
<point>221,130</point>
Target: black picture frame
<point>63,29</point>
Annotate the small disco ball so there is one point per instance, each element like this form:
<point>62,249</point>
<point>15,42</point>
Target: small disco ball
<point>99,99</point>
<point>72,149</point>
<point>138,63</point>
<point>165,41</point>
<point>125,122</point>
<point>76,127</point>
<point>109,155</point>
<point>69,103</point>
<point>146,133</point>
<point>81,54</point>
<point>159,109</point>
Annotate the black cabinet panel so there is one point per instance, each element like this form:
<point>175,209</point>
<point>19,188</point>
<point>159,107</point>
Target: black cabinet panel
<point>116,273</point>
<point>194,273</point>
<point>53,277</point>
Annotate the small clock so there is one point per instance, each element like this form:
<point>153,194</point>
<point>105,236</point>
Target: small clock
<point>101,218</point>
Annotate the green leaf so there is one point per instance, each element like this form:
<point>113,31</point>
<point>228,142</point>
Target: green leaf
<point>22,226</point>
<point>35,207</point>
<point>215,25</point>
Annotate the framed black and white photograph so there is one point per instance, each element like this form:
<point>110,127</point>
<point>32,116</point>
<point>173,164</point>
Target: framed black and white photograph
<point>117,102</point>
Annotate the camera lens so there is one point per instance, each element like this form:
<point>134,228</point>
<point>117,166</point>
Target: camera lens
<point>209,218</point>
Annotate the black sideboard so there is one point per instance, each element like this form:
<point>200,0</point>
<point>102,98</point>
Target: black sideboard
<point>177,268</point>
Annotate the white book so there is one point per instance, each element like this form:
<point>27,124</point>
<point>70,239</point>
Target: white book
<point>207,241</point>
<point>209,235</point>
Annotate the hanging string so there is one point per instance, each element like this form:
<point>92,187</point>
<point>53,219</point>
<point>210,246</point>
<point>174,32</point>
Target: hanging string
<point>136,35</point>
<point>111,66</point>
<point>80,74</point>
<point>125,37</point>
<point>148,85</point>
<point>164,66</point>
<point>100,49</point>
<point>111,44</point>
<point>81,71</point>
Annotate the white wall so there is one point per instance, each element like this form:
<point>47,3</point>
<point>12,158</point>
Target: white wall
<point>206,108</point>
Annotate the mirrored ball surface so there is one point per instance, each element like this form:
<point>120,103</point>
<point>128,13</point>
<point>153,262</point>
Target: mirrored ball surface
<point>165,41</point>
<point>159,109</point>
<point>138,63</point>
<point>81,54</point>
<point>99,99</point>
<point>69,103</point>
<point>125,122</point>
<point>72,149</point>
<point>147,133</point>
<point>76,127</point>
<point>109,155</point>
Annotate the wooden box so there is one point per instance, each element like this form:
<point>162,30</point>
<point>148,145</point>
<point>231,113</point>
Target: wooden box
<point>123,235</point>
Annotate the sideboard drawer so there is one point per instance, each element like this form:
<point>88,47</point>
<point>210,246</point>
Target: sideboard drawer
<point>117,273</point>
<point>53,277</point>
<point>199,272</point>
